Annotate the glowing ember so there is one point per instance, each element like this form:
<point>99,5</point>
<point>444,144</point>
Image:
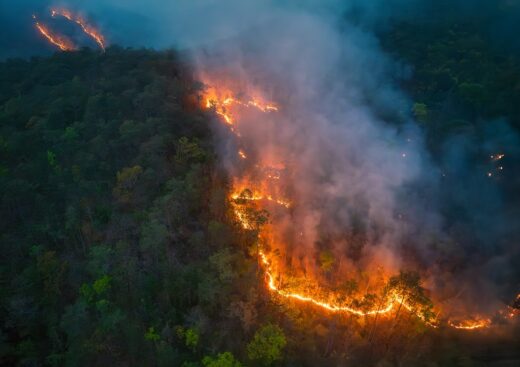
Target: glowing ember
<point>87,28</point>
<point>242,154</point>
<point>497,157</point>
<point>470,324</point>
<point>61,42</point>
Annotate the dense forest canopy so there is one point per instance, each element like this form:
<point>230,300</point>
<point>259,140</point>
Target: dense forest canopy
<point>120,246</point>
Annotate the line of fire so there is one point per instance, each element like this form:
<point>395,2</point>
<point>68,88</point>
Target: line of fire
<point>63,42</point>
<point>261,200</point>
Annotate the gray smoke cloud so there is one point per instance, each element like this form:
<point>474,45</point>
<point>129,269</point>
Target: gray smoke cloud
<point>363,183</point>
<point>348,169</point>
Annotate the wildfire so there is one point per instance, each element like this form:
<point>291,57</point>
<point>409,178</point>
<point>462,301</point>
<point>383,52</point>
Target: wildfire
<point>256,196</point>
<point>61,42</point>
<point>513,310</point>
<point>392,301</point>
<point>220,108</point>
<point>470,324</point>
<point>89,30</point>
<point>222,102</point>
<point>328,306</point>
<point>242,199</point>
<point>261,106</point>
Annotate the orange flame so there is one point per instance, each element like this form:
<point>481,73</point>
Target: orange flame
<point>222,101</point>
<point>61,42</point>
<point>470,324</point>
<point>327,306</point>
<point>87,28</point>
<point>393,300</point>
<point>256,196</point>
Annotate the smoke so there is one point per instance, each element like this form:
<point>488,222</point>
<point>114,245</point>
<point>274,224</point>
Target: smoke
<point>348,169</point>
<point>362,182</point>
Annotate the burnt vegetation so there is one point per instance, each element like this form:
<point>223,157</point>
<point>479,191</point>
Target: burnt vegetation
<point>119,245</point>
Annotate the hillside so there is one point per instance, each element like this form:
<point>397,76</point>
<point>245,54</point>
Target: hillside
<point>120,246</point>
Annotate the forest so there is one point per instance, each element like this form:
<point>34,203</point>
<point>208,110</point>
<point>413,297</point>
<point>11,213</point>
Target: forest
<point>120,245</point>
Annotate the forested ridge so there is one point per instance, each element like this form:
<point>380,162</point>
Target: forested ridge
<point>114,217</point>
<point>118,243</point>
<point>460,74</point>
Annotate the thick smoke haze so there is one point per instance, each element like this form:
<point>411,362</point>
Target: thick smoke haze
<point>364,183</point>
<point>349,171</point>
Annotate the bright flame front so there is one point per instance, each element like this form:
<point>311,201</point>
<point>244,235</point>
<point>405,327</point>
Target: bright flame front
<point>88,29</point>
<point>250,194</point>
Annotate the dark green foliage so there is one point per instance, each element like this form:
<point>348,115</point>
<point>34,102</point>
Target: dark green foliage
<point>267,345</point>
<point>459,74</point>
<point>225,359</point>
<point>114,228</point>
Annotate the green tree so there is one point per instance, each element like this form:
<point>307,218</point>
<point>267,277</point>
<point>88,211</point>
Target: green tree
<point>408,289</point>
<point>188,152</point>
<point>192,338</point>
<point>51,270</point>
<point>154,237</point>
<point>267,345</point>
<point>420,111</point>
<point>126,181</point>
<point>473,93</point>
<point>152,335</point>
<point>51,159</point>
<point>222,261</point>
<point>225,359</point>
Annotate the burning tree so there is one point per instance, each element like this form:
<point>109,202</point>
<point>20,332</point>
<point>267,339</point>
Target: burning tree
<point>407,289</point>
